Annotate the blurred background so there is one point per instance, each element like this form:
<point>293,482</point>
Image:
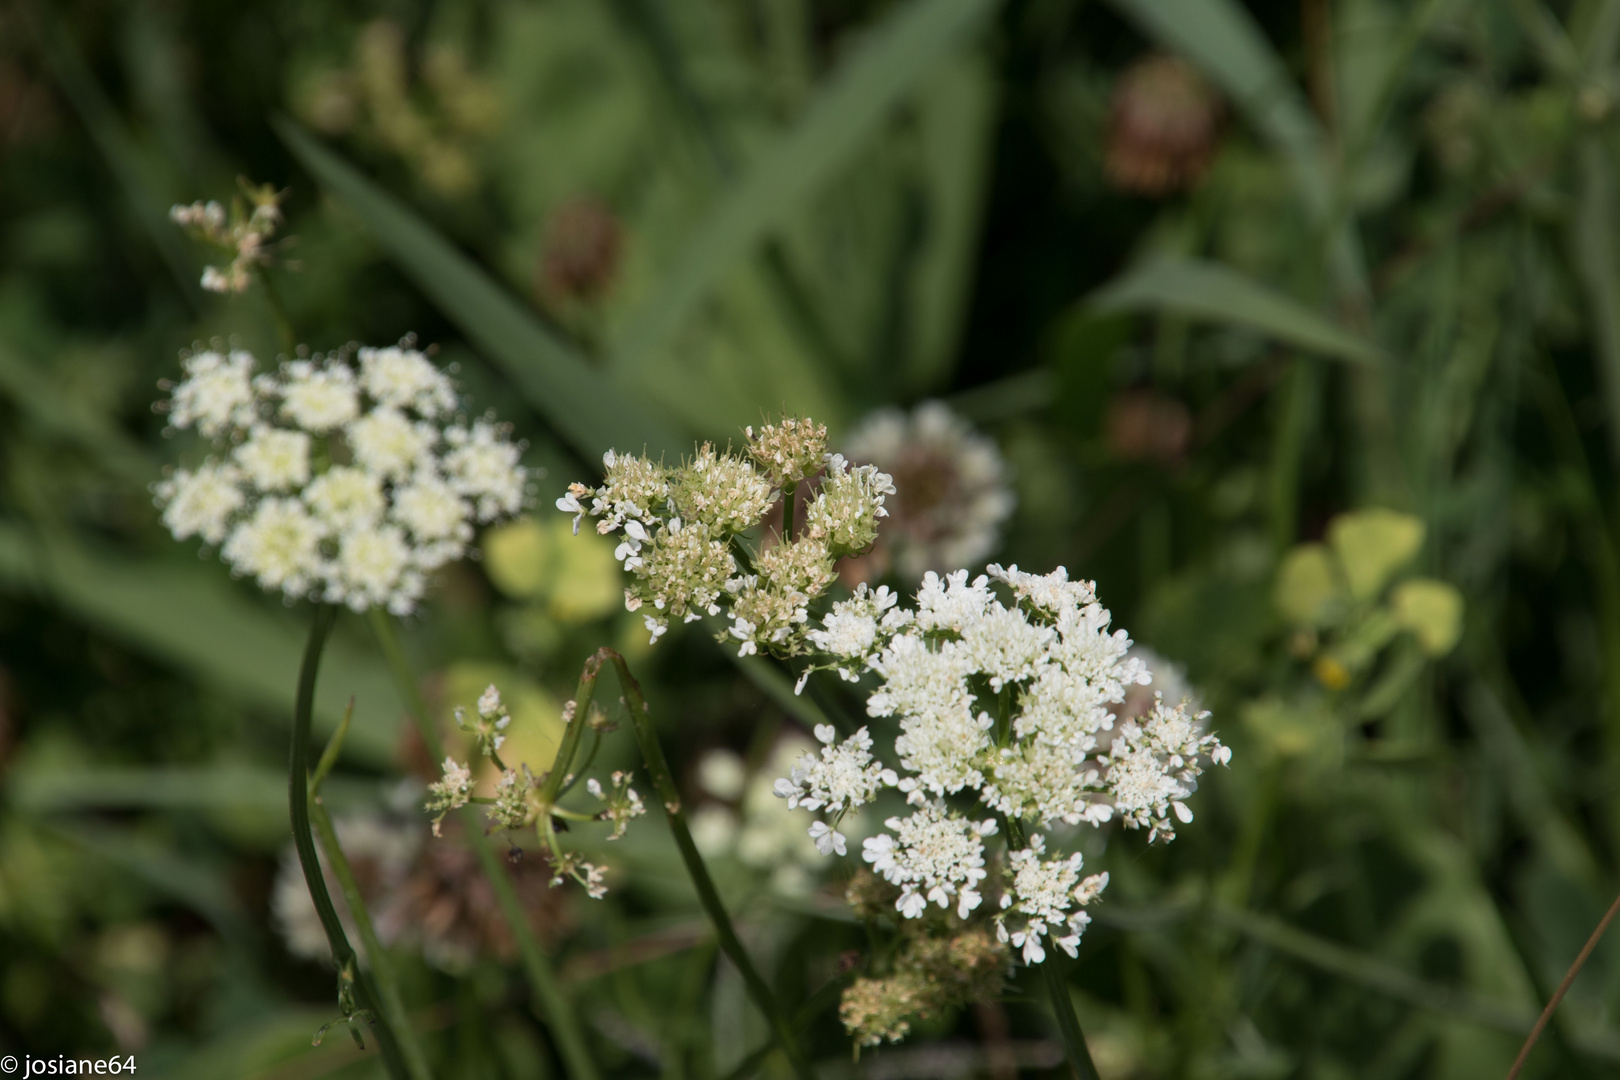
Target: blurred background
<point>1293,323</point>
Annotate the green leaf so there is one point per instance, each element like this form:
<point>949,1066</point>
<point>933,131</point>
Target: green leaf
<point>1432,610</point>
<point>590,410</point>
<point>879,72</point>
<point>1207,290</point>
<point>192,618</point>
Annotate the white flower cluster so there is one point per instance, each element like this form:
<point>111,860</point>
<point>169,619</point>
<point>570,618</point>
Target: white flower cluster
<point>680,524</point>
<point>343,483</point>
<point>1009,702</point>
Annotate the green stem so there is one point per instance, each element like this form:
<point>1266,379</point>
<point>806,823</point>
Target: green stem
<point>790,494</point>
<point>1057,987</point>
<point>708,895</point>
<point>376,959</point>
<point>278,312</point>
<point>1074,1040</point>
<point>298,804</point>
<point>555,1008</point>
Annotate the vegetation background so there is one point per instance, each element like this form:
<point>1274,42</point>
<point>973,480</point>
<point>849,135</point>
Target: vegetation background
<point>1364,259</point>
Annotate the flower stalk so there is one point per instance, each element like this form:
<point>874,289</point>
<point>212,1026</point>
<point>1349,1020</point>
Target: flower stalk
<point>298,803</point>
<point>664,783</point>
<point>553,1005</point>
<point>376,958</point>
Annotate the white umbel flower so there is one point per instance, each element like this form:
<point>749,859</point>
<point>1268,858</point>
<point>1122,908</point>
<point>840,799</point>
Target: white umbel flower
<point>275,459</point>
<point>216,394</point>
<point>201,503</point>
<point>318,398</point>
<point>279,546</point>
<point>410,483</point>
<point>934,856</point>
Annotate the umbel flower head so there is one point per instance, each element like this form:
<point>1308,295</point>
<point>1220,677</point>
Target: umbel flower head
<point>680,525</point>
<point>347,478</point>
<point>952,491</point>
<point>1000,690</point>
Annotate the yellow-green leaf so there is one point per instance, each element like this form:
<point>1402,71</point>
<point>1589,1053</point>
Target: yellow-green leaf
<point>1309,590</point>
<point>1432,610</point>
<point>1372,545</point>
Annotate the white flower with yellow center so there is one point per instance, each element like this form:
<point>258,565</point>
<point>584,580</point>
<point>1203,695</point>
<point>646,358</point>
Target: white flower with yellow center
<point>275,459</point>
<point>279,546</point>
<point>201,503</point>
<point>345,498</point>
<point>388,445</point>
<point>319,399</point>
<point>217,393</point>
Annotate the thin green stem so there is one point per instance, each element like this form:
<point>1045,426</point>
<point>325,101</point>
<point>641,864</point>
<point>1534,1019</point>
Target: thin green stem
<point>278,312</point>
<point>790,493</point>
<point>658,769</point>
<point>554,1007</point>
<point>1057,987</point>
<point>298,805</point>
<point>376,959</point>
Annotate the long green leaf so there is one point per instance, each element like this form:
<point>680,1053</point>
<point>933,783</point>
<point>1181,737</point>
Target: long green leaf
<point>1206,290</point>
<point>590,410</point>
<point>192,619</point>
<point>877,75</point>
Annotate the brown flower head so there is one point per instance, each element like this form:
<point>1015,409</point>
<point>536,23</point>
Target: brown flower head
<point>1162,127</point>
<point>580,254</point>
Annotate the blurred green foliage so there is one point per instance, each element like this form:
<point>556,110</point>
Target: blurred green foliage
<point>1334,422</point>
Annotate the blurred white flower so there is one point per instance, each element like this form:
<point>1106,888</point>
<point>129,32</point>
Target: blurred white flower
<point>952,491</point>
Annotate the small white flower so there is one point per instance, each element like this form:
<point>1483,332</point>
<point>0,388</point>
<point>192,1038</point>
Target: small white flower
<point>406,379</point>
<point>374,570</point>
<point>275,459</point>
<point>828,839</point>
<point>279,546</point>
<point>216,394</point>
<point>484,468</point>
<point>346,498</point>
<point>200,503</point>
<point>387,444</point>
<point>319,399</point>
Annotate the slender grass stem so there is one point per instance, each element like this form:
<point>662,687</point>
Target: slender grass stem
<point>1563,988</point>
<point>554,1007</point>
<point>658,768</point>
<point>304,842</point>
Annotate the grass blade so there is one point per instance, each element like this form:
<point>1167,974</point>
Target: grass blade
<point>192,619</point>
<point>878,74</point>
<point>1206,290</point>
<point>587,408</point>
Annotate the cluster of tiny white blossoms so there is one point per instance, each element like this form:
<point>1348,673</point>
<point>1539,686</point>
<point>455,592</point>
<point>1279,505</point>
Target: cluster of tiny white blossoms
<point>1007,703</point>
<point>518,802</point>
<point>244,233</point>
<point>347,478</point>
<point>682,527</point>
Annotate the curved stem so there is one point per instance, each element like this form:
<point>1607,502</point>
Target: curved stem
<point>376,958</point>
<point>708,895</point>
<point>790,495</point>
<point>1563,988</point>
<point>298,805</point>
<point>555,1009</point>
